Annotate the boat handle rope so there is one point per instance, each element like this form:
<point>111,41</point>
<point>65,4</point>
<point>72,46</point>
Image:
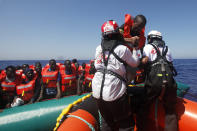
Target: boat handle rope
<point>66,110</point>
<point>89,125</point>
<point>100,119</point>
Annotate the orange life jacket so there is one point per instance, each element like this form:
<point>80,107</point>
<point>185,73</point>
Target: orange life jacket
<point>75,68</point>
<point>128,24</point>
<point>73,65</point>
<point>23,76</point>
<point>80,70</point>
<point>50,78</point>
<point>9,88</point>
<point>80,120</point>
<point>2,75</point>
<point>19,72</point>
<point>68,81</point>
<point>26,91</point>
<point>88,79</point>
<point>32,67</point>
<point>87,69</point>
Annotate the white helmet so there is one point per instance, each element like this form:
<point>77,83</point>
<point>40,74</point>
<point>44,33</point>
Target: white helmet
<point>154,34</point>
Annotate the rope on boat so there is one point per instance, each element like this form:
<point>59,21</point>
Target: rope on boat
<point>66,110</point>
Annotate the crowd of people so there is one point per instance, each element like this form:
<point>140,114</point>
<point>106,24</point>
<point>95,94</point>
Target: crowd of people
<point>122,58</point>
<point>27,84</point>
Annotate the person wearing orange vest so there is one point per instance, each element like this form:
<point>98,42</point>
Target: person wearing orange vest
<point>8,86</point>
<point>21,72</point>
<point>89,77</point>
<point>25,67</point>
<point>85,79</point>
<point>76,66</point>
<point>133,30</point>
<point>81,69</point>
<point>26,90</point>
<point>80,82</point>
<point>39,82</point>
<point>68,79</point>
<point>51,81</point>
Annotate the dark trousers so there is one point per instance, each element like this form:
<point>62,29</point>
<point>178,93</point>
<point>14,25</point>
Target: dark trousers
<point>116,114</point>
<point>169,103</point>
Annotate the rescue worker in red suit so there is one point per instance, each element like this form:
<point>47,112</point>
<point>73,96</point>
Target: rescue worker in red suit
<point>51,80</point>
<point>68,79</point>
<point>8,86</point>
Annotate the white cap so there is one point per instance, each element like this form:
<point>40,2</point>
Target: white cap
<point>155,33</point>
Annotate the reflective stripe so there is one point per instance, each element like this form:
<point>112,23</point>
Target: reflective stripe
<point>72,77</point>
<point>48,75</point>
<point>4,85</point>
<point>156,63</point>
<point>89,78</point>
<point>90,125</point>
<point>161,75</point>
<point>21,87</point>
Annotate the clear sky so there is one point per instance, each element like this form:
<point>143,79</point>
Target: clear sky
<point>66,29</point>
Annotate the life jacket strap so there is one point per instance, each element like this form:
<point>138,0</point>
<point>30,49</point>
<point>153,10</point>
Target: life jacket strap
<point>112,73</point>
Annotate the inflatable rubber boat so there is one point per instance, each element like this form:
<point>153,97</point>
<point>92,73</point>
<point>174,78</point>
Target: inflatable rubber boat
<point>43,115</point>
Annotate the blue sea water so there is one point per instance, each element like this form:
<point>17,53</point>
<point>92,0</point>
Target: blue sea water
<point>186,68</point>
<point>187,74</point>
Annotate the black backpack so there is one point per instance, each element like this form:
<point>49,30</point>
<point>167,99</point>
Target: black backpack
<point>160,74</point>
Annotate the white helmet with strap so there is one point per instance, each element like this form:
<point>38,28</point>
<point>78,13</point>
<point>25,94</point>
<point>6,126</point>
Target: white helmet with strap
<point>154,34</point>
